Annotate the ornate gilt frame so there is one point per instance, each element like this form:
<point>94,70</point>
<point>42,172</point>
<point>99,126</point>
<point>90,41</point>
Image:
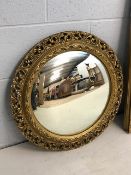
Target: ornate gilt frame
<point>27,71</point>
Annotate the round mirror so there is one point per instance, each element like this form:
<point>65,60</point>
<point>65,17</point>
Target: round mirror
<point>70,92</point>
<point>66,90</point>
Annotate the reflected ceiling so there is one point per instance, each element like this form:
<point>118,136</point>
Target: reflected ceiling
<point>62,65</point>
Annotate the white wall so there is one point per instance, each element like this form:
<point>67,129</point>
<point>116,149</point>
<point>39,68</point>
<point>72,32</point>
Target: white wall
<point>23,23</point>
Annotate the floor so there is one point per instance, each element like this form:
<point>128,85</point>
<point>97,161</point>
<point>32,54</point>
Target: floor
<point>109,154</point>
<point>71,117</point>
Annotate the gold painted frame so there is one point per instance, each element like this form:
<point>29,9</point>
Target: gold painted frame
<point>27,71</point>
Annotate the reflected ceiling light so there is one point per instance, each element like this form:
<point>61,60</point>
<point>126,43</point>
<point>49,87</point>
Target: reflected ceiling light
<point>68,56</point>
<point>56,75</point>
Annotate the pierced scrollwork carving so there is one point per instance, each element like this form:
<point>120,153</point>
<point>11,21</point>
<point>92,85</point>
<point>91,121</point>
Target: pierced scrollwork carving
<point>26,74</point>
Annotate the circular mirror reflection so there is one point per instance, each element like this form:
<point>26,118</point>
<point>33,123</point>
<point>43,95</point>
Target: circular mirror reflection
<point>70,93</point>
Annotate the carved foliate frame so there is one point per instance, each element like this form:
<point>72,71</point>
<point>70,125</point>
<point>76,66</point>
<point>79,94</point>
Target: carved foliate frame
<point>27,72</point>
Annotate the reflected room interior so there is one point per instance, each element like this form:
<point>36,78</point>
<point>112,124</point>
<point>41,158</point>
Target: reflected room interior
<point>70,93</point>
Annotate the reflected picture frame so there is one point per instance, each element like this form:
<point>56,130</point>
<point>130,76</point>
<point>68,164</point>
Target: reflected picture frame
<point>27,71</point>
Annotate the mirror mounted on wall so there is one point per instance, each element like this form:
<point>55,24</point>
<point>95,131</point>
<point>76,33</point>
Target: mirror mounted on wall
<point>66,90</point>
